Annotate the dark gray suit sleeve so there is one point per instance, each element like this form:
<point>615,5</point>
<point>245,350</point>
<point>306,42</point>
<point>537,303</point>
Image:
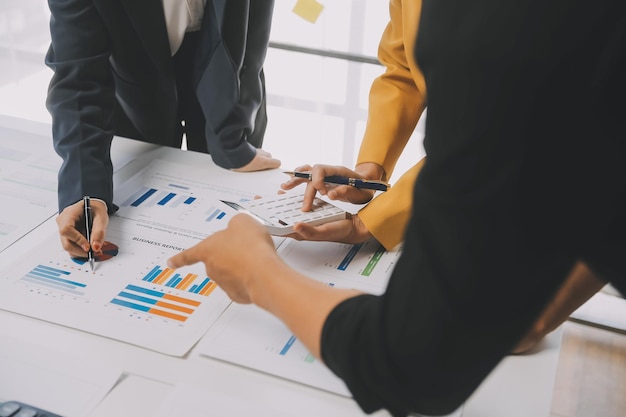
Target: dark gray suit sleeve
<point>81,100</point>
<point>231,85</point>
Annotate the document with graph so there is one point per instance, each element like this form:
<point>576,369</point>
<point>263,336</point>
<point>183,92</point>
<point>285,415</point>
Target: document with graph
<point>249,336</point>
<point>132,296</point>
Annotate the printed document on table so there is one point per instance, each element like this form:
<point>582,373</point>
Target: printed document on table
<point>28,181</point>
<point>54,380</point>
<point>28,184</point>
<point>249,336</point>
<point>132,296</point>
<point>194,401</point>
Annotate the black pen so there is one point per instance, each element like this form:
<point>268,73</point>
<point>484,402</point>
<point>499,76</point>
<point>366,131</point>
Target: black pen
<point>88,225</point>
<point>336,179</point>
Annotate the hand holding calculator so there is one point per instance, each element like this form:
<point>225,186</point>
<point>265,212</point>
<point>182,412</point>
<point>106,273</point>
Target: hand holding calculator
<point>280,213</point>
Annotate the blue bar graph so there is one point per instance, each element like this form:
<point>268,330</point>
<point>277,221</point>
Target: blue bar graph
<point>172,281</point>
<point>148,197</point>
<point>150,276</point>
<point>54,278</point>
<point>215,214</point>
<point>165,199</point>
<point>201,285</point>
<point>349,257</point>
<point>143,198</point>
<point>46,272</point>
<point>288,345</point>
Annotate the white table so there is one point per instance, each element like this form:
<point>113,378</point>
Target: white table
<point>520,385</point>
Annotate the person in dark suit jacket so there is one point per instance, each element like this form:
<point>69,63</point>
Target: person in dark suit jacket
<point>153,71</point>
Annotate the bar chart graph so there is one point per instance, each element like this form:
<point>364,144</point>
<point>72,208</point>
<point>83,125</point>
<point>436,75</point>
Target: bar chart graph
<point>373,260</point>
<point>214,214</point>
<point>150,197</point>
<point>192,283</point>
<point>156,303</point>
<point>365,266</point>
<point>54,278</point>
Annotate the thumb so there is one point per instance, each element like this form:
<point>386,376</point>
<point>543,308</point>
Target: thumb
<point>306,231</point>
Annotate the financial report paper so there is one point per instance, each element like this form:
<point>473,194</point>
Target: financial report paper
<point>132,295</point>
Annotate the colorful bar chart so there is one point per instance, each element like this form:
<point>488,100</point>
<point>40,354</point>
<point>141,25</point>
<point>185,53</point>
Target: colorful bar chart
<point>149,197</point>
<point>54,278</point>
<point>215,214</point>
<point>156,303</point>
<point>343,265</point>
<point>371,264</point>
<point>192,283</point>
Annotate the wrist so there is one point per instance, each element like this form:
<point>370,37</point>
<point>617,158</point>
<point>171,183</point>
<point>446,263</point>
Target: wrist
<point>361,231</point>
<point>262,284</point>
<point>370,171</point>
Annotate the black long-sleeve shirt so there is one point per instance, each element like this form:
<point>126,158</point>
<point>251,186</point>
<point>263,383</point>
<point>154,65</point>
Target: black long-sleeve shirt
<point>525,176</point>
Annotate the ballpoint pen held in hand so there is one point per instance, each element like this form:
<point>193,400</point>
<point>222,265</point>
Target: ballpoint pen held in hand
<point>88,225</point>
<point>336,179</point>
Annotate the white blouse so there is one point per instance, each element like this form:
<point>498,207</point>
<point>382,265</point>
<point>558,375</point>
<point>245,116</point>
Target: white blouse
<point>182,16</point>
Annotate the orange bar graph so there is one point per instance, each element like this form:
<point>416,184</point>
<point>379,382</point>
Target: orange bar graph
<point>186,281</point>
<point>181,300</point>
<point>175,307</point>
<point>167,314</point>
<point>208,289</point>
<point>163,276</point>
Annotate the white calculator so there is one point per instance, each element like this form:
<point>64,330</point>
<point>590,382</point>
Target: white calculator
<point>280,213</point>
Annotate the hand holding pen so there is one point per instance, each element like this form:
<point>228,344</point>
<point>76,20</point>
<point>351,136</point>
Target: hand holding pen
<point>72,222</point>
<point>336,182</point>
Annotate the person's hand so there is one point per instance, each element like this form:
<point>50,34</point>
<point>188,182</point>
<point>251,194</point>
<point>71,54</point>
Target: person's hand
<point>71,223</point>
<point>262,161</point>
<point>332,191</point>
<point>349,230</point>
<point>233,257</point>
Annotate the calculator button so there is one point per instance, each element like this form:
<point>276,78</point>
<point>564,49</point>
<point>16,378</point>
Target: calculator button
<point>7,409</point>
<point>287,210</point>
<point>26,412</point>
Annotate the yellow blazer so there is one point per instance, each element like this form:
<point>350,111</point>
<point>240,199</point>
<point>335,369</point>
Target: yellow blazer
<point>397,100</point>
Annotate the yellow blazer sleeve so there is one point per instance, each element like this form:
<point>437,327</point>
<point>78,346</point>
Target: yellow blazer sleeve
<point>397,100</point>
<point>387,216</point>
<point>397,97</point>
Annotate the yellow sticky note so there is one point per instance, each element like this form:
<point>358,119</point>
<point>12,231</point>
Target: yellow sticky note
<point>309,10</point>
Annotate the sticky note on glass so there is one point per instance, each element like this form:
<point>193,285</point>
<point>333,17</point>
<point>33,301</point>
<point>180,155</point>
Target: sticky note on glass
<point>309,10</point>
